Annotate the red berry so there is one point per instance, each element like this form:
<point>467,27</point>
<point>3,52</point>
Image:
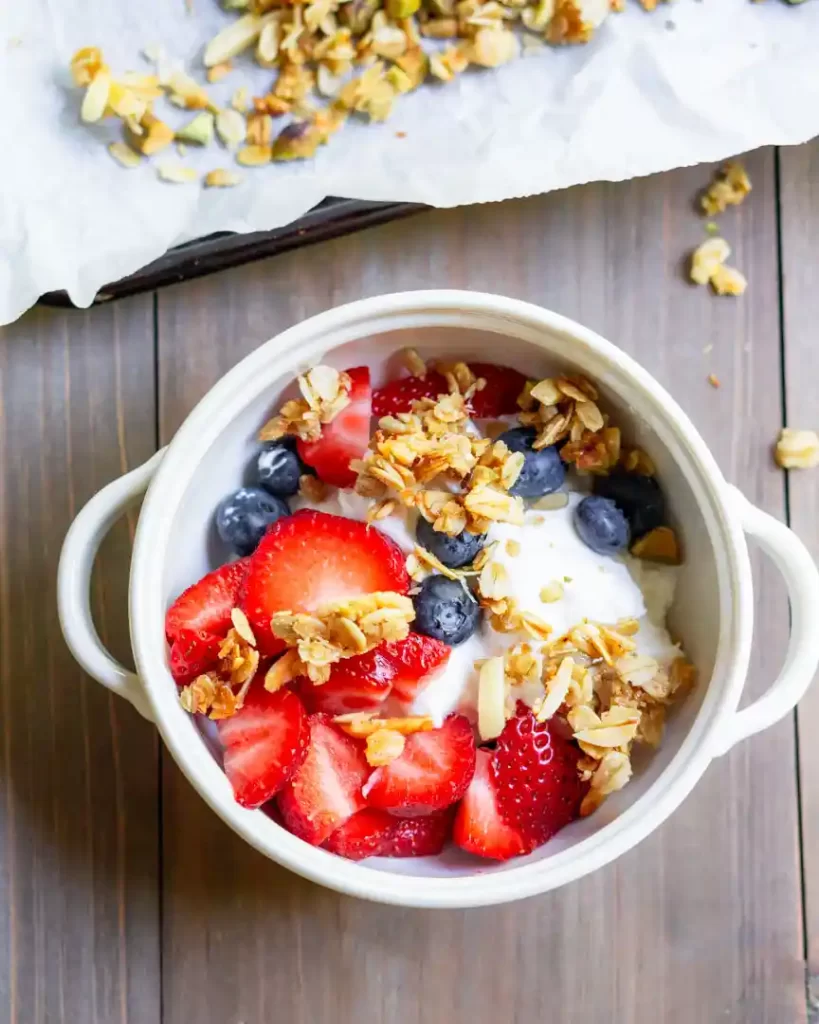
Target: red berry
<point>207,605</point>
<point>479,827</point>
<point>500,396</point>
<point>398,395</point>
<point>193,652</point>
<point>433,771</point>
<point>374,833</point>
<point>419,837</point>
<point>312,558</point>
<point>326,790</point>
<point>414,661</point>
<point>535,769</point>
<point>264,744</point>
<point>345,437</point>
<point>360,683</point>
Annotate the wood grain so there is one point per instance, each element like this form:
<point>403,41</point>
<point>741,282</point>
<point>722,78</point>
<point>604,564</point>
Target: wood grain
<point>79,910</point>
<point>702,922</point>
<point>799,204</point>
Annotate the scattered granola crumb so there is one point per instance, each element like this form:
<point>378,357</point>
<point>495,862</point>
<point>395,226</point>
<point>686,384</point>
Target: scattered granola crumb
<point>797,449</point>
<point>222,178</point>
<point>383,746</point>
<point>707,257</point>
<point>713,380</point>
<point>400,135</point>
<point>729,188</point>
<point>728,281</point>
<point>658,545</point>
<point>176,174</point>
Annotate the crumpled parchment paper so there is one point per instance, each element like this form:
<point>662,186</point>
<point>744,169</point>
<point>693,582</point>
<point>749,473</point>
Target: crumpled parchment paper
<point>695,81</point>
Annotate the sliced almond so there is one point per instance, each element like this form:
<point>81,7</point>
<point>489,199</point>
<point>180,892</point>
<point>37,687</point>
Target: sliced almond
<point>658,545</point>
<point>283,671</point>
<point>176,174</point>
<point>96,96</point>
<point>124,155</point>
<point>233,39</point>
<point>384,746</point>
<point>362,727</point>
<point>491,699</point>
<point>230,127</point>
<point>556,690</point>
<point>198,131</point>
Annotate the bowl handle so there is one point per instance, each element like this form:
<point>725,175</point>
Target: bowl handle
<point>794,561</point>
<point>74,582</point>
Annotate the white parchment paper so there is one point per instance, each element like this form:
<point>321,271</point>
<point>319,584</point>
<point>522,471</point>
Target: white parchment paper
<point>695,81</point>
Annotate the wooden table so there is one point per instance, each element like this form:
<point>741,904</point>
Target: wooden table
<point>124,899</point>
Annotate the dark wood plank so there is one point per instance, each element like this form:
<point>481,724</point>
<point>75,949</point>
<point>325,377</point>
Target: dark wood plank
<point>700,923</point>
<point>799,201</point>
<point>79,908</point>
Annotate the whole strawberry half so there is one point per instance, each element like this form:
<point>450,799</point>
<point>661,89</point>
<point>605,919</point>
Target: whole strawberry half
<point>535,770</point>
<point>206,606</point>
<point>433,771</point>
<point>374,833</point>
<point>193,652</point>
<point>414,661</point>
<point>264,743</point>
<point>345,437</point>
<point>326,789</point>
<point>479,826</point>
<point>311,558</point>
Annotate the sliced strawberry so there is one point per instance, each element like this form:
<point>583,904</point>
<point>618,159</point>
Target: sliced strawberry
<point>398,395</point>
<point>207,604</point>
<point>361,683</point>
<point>414,661</point>
<point>326,790</point>
<point>374,833</point>
<point>479,827</point>
<point>264,744</point>
<point>433,771</point>
<point>419,837</point>
<point>500,396</point>
<point>193,652</point>
<point>366,834</point>
<point>535,769</point>
<point>310,558</point>
<point>345,437</point>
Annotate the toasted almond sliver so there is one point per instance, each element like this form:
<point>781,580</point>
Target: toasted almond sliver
<point>124,155</point>
<point>231,41</point>
<point>242,626</point>
<point>176,174</point>
<point>96,96</point>
<point>406,726</point>
<point>283,671</point>
<point>254,156</point>
<point>556,690</point>
<point>222,178</point>
<point>491,699</point>
<point>550,502</point>
<point>231,127</point>
<point>613,736</point>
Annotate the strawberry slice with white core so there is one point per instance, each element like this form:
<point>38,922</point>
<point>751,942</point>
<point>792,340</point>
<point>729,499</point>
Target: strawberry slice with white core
<point>326,790</point>
<point>264,743</point>
<point>206,606</point>
<point>310,559</point>
<point>345,437</point>
<point>360,683</point>
<point>479,827</point>
<point>374,833</point>
<point>415,661</point>
<point>433,771</point>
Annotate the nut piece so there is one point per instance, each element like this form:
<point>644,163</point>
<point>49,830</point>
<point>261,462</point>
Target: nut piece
<point>96,96</point>
<point>222,178</point>
<point>124,155</point>
<point>797,449</point>
<point>198,131</point>
<point>728,281</point>
<point>658,545</point>
<point>729,188</point>
<point>230,127</point>
<point>233,39</point>
<point>155,135</point>
<point>491,699</point>
<point>361,724</point>
<point>176,174</point>
<point>383,746</point>
<point>707,258</point>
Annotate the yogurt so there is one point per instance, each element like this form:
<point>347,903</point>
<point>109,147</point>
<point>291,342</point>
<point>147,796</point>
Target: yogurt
<point>545,549</point>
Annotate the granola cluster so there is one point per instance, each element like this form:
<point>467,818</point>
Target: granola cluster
<point>594,675</point>
<point>343,629</point>
<point>221,693</point>
<point>331,60</point>
<point>730,186</point>
<point>797,449</point>
<point>325,392</point>
<point>417,458</point>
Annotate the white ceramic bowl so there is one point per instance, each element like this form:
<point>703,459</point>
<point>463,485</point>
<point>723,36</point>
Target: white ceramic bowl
<point>713,610</point>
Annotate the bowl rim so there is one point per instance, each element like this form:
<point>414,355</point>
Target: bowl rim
<point>303,345</point>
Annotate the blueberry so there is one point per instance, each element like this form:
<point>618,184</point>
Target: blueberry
<point>639,497</point>
<point>278,469</point>
<point>602,526</point>
<point>445,611</point>
<point>452,551</point>
<point>243,517</point>
<point>543,471</point>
